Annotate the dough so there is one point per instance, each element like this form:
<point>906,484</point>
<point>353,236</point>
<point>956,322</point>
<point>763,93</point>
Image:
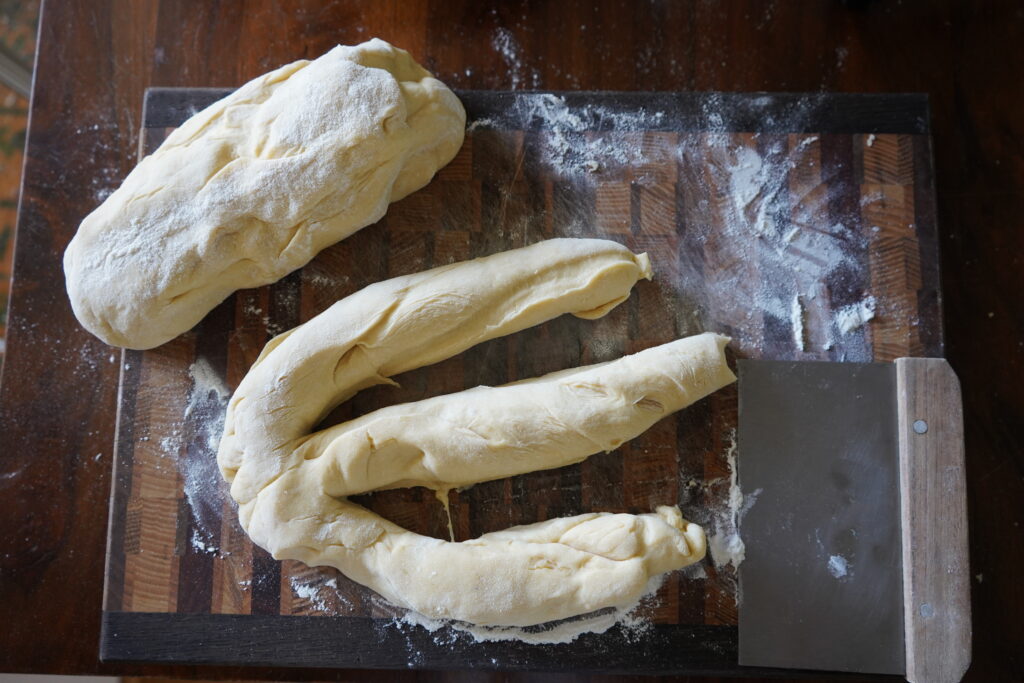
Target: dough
<point>520,576</point>
<point>253,186</point>
<point>405,323</point>
<point>291,486</point>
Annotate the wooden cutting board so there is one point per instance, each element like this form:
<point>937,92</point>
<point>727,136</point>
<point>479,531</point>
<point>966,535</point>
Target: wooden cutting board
<point>776,219</point>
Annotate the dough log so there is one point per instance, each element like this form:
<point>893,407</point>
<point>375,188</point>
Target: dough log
<point>291,486</point>
<point>520,576</point>
<point>405,323</point>
<point>255,185</point>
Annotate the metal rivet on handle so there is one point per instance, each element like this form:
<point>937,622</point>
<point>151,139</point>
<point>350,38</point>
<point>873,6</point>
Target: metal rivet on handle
<point>920,426</point>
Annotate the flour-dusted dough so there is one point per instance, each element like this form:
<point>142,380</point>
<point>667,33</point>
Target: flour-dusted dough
<point>404,323</point>
<point>253,186</point>
<point>520,576</point>
<point>291,486</point>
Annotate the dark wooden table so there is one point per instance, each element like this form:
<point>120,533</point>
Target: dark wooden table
<point>59,385</point>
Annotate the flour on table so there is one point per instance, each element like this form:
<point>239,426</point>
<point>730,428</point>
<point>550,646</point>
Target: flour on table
<point>204,379</point>
<point>630,620</point>
<point>192,442</point>
<point>313,591</point>
<point>570,144</point>
<point>506,45</point>
<point>724,542</point>
<point>785,233</point>
<point>849,318</point>
<point>201,544</point>
<point>774,251</point>
<point>838,567</point>
<point>796,321</point>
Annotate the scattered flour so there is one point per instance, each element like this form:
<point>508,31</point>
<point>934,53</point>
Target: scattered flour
<point>783,229</point>
<point>796,320</point>
<point>201,544</point>
<point>205,380</point>
<point>696,572</point>
<point>480,123</point>
<point>321,280</point>
<point>838,567</point>
<point>773,247</point>
<point>506,45</point>
<point>570,146</point>
<point>308,592</point>
<point>194,445</point>
<point>724,542</point>
<point>312,591</point>
<point>631,623</point>
<point>851,317</point>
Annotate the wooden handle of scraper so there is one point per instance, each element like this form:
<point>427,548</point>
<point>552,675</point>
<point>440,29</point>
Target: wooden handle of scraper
<point>933,502</point>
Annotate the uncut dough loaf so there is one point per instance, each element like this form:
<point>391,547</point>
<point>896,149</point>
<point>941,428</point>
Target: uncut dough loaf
<point>255,185</point>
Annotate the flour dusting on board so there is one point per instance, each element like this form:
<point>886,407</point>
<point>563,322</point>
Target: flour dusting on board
<point>583,141</point>
<point>780,255</point>
<point>193,442</point>
<point>838,567</point>
<point>320,594</point>
<point>571,147</point>
<point>202,482</point>
<point>206,381</point>
<point>796,321</point>
<point>781,244</point>
<point>630,621</point>
<point>724,542</point>
<point>849,318</point>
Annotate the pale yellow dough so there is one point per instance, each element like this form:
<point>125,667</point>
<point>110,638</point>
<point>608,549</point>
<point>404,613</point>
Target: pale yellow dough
<point>255,185</point>
<point>405,323</point>
<point>291,486</point>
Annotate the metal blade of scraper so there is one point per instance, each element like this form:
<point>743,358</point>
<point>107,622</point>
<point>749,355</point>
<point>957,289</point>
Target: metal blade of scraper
<point>821,583</point>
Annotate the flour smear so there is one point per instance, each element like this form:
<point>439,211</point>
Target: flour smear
<point>582,142</point>
<point>775,242</point>
<point>192,442</point>
<point>725,545</point>
<point>320,594</point>
<point>780,253</point>
<point>630,621</point>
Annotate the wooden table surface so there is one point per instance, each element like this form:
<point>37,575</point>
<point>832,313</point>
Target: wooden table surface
<point>95,59</point>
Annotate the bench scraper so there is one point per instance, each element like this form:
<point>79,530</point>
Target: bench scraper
<point>856,544</point>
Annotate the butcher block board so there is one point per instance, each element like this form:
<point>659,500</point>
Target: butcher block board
<point>770,218</point>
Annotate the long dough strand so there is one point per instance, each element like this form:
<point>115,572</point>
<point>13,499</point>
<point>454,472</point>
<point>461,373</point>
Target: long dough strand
<point>402,324</point>
<point>524,575</point>
<point>291,485</point>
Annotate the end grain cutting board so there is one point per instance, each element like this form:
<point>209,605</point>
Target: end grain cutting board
<point>771,218</point>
